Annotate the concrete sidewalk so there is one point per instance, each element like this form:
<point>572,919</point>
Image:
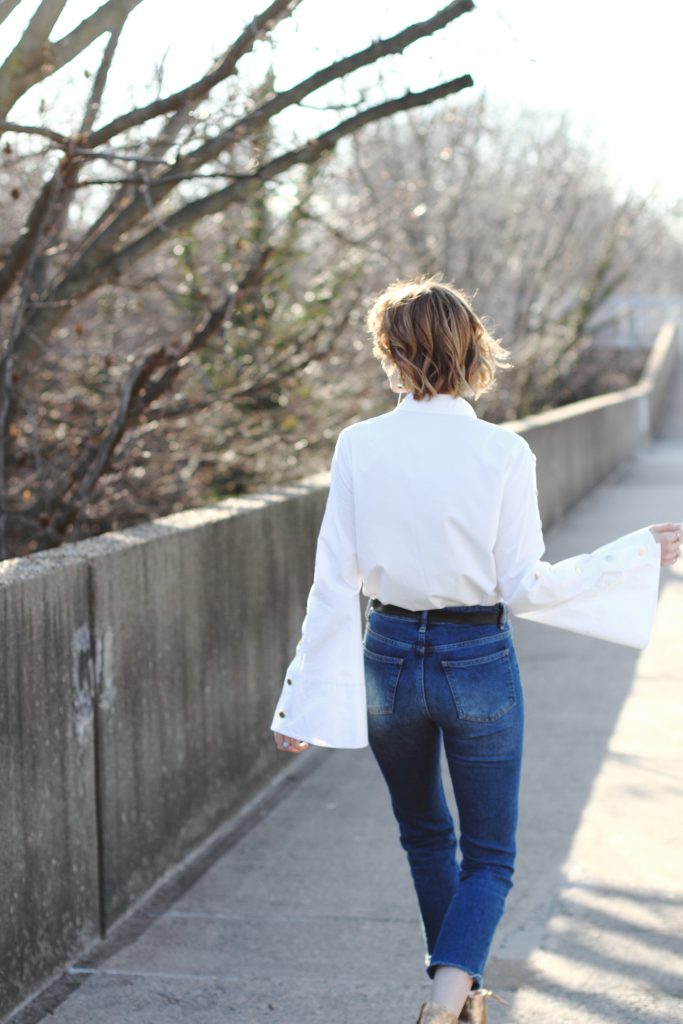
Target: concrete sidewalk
<point>304,911</point>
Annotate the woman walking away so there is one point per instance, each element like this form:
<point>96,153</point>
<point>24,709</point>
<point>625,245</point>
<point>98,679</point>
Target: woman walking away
<point>433,514</point>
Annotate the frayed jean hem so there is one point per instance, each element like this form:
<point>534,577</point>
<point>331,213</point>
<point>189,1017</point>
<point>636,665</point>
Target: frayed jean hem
<point>431,971</point>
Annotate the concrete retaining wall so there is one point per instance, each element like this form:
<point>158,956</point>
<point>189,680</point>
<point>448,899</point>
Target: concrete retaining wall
<point>194,617</point>
<point>49,896</point>
<point>659,370</point>
<point>141,671</point>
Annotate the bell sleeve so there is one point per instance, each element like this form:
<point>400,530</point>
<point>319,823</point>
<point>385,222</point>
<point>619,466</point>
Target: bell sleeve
<point>610,593</point>
<point>323,694</point>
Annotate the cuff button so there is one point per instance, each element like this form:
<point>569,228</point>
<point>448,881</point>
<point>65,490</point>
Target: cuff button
<point>282,714</point>
<point>289,681</point>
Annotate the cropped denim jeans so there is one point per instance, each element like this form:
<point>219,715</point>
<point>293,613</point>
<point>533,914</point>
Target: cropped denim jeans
<point>430,682</point>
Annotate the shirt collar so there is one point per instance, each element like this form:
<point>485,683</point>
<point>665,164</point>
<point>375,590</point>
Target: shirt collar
<point>436,404</point>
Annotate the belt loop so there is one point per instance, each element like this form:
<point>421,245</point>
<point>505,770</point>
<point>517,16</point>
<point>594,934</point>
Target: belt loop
<point>502,617</point>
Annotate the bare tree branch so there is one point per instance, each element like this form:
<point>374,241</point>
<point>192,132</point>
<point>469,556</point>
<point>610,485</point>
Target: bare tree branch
<point>113,156</point>
<point>123,220</point>
<point>68,144</point>
<point>118,262</point>
<point>257,28</point>
<point>100,82</point>
<point>87,273</point>
<point>6,8</point>
<point>42,23</point>
<point>181,103</point>
<point>26,240</point>
<point>103,241</point>
<point>110,17</point>
<point>66,178</point>
<point>144,182</point>
<point>23,129</point>
<point>35,58</point>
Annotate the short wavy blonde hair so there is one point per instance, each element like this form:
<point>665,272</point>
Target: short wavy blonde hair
<point>428,329</point>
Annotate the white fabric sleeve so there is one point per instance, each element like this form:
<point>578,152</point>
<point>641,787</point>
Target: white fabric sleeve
<point>610,593</point>
<point>323,695</point>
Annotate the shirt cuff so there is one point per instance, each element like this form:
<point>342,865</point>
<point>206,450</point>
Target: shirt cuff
<point>324,713</point>
<point>610,594</point>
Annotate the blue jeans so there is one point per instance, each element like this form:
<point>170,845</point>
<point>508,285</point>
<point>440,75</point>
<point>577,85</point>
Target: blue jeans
<point>426,682</point>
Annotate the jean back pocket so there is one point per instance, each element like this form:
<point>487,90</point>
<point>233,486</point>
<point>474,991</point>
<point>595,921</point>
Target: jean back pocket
<point>382,673</point>
<point>483,688</point>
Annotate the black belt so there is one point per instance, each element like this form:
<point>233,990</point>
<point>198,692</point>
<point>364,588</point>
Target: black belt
<point>441,614</point>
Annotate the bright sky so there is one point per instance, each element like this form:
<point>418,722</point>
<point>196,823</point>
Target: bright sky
<point>614,65</point>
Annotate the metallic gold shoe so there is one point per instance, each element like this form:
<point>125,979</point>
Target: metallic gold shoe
<point>436,1013</point>
<point>474,1010</point>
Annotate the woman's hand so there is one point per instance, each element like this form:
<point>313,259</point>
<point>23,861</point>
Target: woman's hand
<point>669,536</point>
<point>289,744</point>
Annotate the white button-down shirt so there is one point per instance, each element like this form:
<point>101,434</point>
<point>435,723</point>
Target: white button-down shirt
<point>431,506</point>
